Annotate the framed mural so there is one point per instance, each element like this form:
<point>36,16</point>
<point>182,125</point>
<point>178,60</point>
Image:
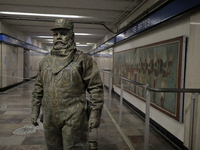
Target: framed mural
<point>161,65</point>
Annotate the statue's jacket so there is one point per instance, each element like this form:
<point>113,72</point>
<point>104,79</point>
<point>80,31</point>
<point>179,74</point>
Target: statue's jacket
<point>60,88</point>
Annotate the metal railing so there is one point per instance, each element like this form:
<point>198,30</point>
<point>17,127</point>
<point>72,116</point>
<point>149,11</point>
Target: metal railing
<point>147,114</point>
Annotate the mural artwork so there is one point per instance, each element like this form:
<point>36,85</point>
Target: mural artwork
<point>157,64</point>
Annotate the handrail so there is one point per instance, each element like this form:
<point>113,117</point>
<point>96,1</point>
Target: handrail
<point>184,90</point>
<point>147,116</point>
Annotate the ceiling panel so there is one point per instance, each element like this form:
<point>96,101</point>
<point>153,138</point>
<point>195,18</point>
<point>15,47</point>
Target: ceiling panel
<point>89,4</point>
<point>95,12</point>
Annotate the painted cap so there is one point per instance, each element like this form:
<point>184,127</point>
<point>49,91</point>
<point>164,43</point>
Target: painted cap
<point>63,24</point>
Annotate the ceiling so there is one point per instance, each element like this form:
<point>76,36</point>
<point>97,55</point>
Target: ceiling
<point>98,17</point>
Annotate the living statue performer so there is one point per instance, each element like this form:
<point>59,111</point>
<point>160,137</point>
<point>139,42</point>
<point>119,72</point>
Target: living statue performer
<point>60,88</point>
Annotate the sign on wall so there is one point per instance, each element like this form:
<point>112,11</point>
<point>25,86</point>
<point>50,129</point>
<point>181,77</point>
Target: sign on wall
<point>161,66</point>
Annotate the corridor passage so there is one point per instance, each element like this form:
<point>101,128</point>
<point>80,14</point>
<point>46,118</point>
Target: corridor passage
<point>15,109</point>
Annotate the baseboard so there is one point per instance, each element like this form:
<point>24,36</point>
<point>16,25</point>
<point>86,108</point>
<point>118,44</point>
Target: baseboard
<point>28,79</point>
<point>16,84</point>
<point>170,138</point>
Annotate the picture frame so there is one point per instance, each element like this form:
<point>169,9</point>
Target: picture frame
<point>161,65</point>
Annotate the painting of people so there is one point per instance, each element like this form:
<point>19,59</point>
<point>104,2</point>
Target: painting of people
<point>160,66</point>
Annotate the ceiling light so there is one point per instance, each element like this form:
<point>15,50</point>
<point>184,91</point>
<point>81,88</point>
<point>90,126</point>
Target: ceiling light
<point>41,15</point>
<point>45,37</point>
<point>82,34</point>
<point>197,23</point>
<point>82,45</point>
<point>51,37</point>
<point>49,40</point>
<point>121,35</point>
<point>76,43</point>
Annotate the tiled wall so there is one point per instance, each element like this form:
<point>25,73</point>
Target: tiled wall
<point>17,64</point>
<point>193,80</point>
<point>26,64</point>
<point>0,67</point>
<point>105,62</point>
<point>20,64</point>
<point>35,59</point>
<point>166,31</point>
<point>9,65</point>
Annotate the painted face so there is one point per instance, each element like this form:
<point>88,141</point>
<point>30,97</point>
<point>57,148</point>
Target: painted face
<point>61,38</point>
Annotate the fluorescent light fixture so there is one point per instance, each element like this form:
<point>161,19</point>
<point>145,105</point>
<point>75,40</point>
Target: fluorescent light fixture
<point>90,43</point>
<point>82,34</point>
<point>77,43</point>
<point>41,15</point>
<point>51,37</point>
<point>45,37</point>
<point>196,23</point>
<point>82,45</point>
<point>50,40</point>
<point>121,35</point>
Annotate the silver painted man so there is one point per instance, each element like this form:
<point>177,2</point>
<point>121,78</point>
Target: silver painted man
<point>60,88</point>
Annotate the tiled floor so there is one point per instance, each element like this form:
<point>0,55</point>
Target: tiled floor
<point>15,109</point>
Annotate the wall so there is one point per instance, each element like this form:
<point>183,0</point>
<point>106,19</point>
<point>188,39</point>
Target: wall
<point>35,59</point>
<point>106,59</point>
<point>20,64</point>
<point>17,64</point>
<point>123,22</point>
<point>168,30</point>
<point>12,65</point>
<point>0,65</point>
<point>26,64</point>
<point>105,62</point>
<point>193,79</point>
<point>15,33</point>
<point>31,63</point>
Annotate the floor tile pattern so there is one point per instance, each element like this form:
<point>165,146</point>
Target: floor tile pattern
<point>15,109</point>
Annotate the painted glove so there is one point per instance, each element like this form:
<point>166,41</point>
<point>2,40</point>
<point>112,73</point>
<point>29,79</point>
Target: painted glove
<point>94,120</point>
<point>35,114</point>
<point>34,119</point>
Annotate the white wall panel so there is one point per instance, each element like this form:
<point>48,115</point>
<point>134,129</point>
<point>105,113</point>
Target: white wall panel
<point>105,62</point>
<point>193,79</point>
<point>20,64</point>
<point>169,30</point>
<point>26,64</point>
<point>0,66</point>
<point>13,32</point>
<point>35,59</point>
<point>9,65</point>
<point>17,64</point>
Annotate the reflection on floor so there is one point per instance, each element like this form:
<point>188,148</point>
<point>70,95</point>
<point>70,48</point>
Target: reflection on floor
<point>15,109</point>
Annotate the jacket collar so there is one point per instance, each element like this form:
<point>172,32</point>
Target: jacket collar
<point>61,60</point>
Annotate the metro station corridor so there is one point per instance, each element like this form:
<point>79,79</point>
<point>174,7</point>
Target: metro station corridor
<point>15,109</point>
<point>147,53</point>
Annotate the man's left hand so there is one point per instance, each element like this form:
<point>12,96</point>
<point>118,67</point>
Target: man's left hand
<point>94,123</point>
<point>34,119</point>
